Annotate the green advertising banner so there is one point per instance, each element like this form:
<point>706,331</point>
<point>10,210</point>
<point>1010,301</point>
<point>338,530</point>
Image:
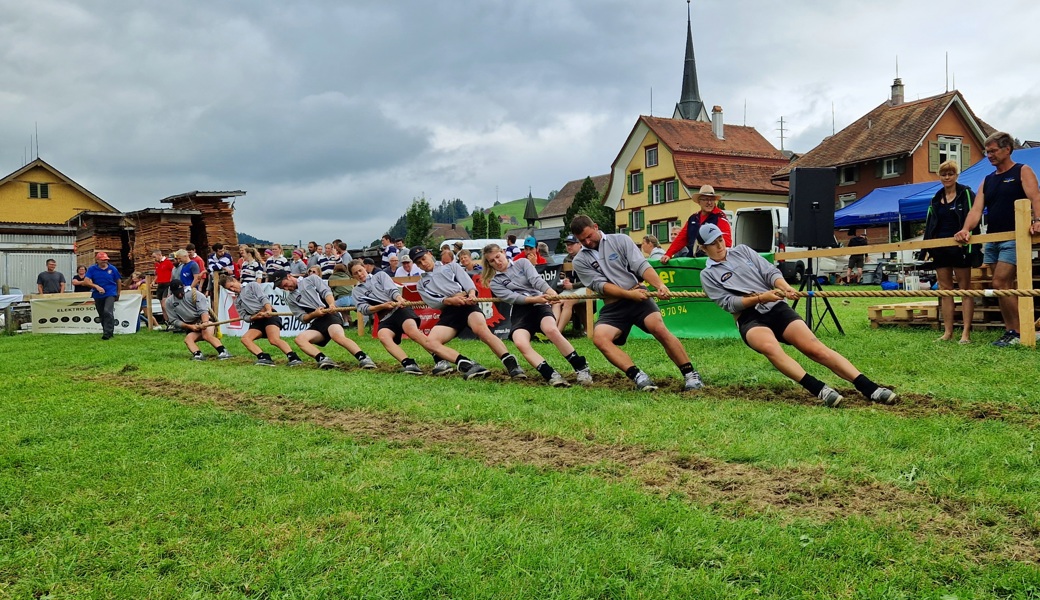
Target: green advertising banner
<point>691,317</point>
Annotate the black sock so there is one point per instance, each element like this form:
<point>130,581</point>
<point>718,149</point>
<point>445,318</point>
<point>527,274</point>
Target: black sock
<point>864,385</point>
<point>221,349</point>
<point>812,384</point>
<point>291,355</point>
<point>577,361</point>
<point>436,358</point>
<point>509,361</point>
<point>320,357</point>
<point>631,372</point>
<point>197,353</point>
<point>463,363</point>
<point>407,361</point>
<point>263,356</point>
<point>545,370</point>
<point>360,355</point>
<point>686,369</point>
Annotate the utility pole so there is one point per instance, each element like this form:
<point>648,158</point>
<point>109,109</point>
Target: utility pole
<point>781,130</point>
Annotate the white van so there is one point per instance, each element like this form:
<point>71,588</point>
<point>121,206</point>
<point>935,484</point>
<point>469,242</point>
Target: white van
<point>764,229</point>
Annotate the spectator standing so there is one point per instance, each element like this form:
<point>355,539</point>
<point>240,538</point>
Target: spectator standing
<point>389,249</point>
<point>195,258</point>
<point>163,274</point>
<point>709,212</point>
<point>394,264</point>
<point>512,250</point>
<point>78,280</point>
<point>298,266</point>
<point>104,280</point>
<point>946,214</point>
<point>188,274</point>
<point>856,261</point>
<point>997,194</point>
<point>401,248</point>
<point>313,253</point>
<point>220,262</point>
<point>51,281</point>
<point>252,267</point>
<point>276,265</point>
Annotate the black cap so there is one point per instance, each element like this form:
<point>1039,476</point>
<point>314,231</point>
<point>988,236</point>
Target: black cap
<point>570,239</point>
<point>416,253</point>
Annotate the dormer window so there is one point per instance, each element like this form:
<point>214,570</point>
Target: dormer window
<point>39,190</point>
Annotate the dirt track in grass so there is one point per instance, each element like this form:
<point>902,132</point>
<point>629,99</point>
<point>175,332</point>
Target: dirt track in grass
<point>733,490</point>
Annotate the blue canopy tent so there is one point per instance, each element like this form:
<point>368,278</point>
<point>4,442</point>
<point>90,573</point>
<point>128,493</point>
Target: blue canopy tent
<point>880,206</point>
<point>914,207</point>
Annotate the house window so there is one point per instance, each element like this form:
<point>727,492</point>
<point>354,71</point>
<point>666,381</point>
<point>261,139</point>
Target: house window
<point>635,220</point>
<point>39,190</point>
<point>655,193</point>
<point>847,175</point>
<point>891,167</point>
<point>671,191</point>
<point>663,230</point>
<point>846,199</point>
<point>621,204</point>
<point>635,183</point>
<point>651,156</point>
<point>949,149</point>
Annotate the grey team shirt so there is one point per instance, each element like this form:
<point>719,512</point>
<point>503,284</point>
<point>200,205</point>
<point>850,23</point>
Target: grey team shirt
<point>188,309</point>
<point>443,281</point>
<point>743,273</point>
<point>517,282</point>
<point>308,296</point>
<point>619,262</point>
<point>377,289</point>
<point>250,300</point>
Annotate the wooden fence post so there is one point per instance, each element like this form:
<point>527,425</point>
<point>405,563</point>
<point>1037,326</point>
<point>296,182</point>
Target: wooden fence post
<point>1024,270</point>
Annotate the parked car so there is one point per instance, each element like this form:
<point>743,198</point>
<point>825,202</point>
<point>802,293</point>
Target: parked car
<point>764,228</point>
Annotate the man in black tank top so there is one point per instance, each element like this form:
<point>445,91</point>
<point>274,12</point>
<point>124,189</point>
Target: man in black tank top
<point>998,192</point>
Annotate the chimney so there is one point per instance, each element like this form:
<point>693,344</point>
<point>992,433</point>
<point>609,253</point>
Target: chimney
<point>897,92</point>
<point>453,227</point>
<point>716,122</point>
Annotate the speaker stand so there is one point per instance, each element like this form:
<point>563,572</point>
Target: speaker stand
<point>809,282</point>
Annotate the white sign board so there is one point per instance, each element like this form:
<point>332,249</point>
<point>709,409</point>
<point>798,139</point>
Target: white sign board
<point>78,315</point>
<point>226,310</point>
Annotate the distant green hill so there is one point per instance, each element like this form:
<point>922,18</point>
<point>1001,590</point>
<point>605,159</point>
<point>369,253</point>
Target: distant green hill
<point>245,238</point>
<point>513,208</point>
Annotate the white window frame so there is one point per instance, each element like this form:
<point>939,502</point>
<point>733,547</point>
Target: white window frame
<point>950,149</point>
<point>632,178</point>
<point>651,157</point>
<point>890,168</point>
<point>656,193</point>
<point>846,199</point>
<point>842,180</point>
<point>638,219</point>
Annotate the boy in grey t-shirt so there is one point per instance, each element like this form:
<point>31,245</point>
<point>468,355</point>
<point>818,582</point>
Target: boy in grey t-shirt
<point>50,281</point>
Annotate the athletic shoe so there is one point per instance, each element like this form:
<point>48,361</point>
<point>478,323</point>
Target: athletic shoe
<point>476,370</point>
<point>107,336</point>
<point>693,382</point>
<point>443,367</point>
<point>198,357</point>
<point>585,377</point>
<point>225,355</point>
<point>264,362</point>
<point>295,362</point>
<point>517,372</point>
<point>644,383</point>
<point>883,396</point>
<point>367,363</point>
<point>557,380</point>
<point>412,369</point>
<point>327,363</point>
<point>1010,338</point>
<point>830,396</point>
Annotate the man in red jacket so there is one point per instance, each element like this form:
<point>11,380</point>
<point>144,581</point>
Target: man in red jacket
<point>163,274</point>
<point>709,213</point>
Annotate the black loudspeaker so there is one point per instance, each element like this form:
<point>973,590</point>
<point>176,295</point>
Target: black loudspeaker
<point>811,205</point>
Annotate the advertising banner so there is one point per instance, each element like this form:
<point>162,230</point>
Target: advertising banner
<point>691,318</point>
<point>291,326</point>
<point>78,315</point>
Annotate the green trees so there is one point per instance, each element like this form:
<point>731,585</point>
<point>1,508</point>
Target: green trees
<point>419,219</point>
<point>587,202</point>
<point>480,225</point>
<point>494,226</point>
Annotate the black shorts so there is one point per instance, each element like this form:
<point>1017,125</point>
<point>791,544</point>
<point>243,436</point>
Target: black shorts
<point>262,324</point>
<point>623,314</point>
<point>949,257</point>
<point>777,320</point>
<point>395,322</point>
<point>322,324</point>
<point>528,317</point>
<point>161,290</point>
<point>856,261</point>
<point>457,317</point>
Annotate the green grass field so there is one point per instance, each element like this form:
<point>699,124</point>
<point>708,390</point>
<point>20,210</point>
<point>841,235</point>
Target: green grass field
<point>513,208</point>
<point>128,471</point>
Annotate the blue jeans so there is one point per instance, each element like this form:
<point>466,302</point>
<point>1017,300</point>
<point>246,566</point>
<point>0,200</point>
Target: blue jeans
<point>1000,252</point>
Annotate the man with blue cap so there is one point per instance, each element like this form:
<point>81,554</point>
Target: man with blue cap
<point>744,284</point>
<point>531,252</point>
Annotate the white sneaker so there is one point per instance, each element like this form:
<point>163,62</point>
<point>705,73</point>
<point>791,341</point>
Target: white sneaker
<point>367,363</point>
<point>443,367</point>
<point>557,380</point>
<point>584,377</point>
<point>644,383</point>
<point>693,382</point>
<point>883,396</point>
<point>830,396</point>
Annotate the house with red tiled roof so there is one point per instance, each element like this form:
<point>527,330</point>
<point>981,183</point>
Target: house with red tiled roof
<point>898,142</point>
<point>554,212</point>
<point>664,162</point>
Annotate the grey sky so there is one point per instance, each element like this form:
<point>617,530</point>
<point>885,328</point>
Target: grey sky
<point>333,115</point>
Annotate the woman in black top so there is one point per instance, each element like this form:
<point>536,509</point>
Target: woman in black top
<point>946,216</point>
<point>77,280</point>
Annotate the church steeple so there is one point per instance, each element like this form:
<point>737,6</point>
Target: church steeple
<point>690,105</point>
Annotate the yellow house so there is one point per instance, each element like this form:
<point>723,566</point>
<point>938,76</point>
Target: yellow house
<point>663,163</point>
<point>39,193</point>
